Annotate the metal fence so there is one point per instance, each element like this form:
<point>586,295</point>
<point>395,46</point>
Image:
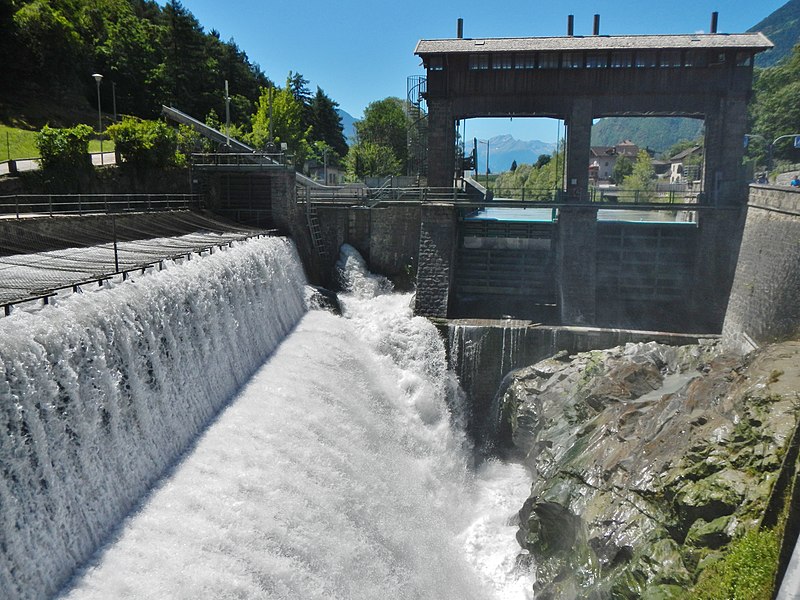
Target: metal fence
<point>81,204</point>
<point>245,160</point>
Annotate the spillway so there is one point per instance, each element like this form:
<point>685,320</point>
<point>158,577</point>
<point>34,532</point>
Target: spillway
<point>199,433</point>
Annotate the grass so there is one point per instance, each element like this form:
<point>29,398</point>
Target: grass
<point>17,143</point>
<point>746,572</point>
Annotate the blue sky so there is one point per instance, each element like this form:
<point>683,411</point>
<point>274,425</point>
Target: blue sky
<point>359,51</point>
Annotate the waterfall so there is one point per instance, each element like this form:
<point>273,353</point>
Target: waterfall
<point>201,435</point>
<point>99,395</point>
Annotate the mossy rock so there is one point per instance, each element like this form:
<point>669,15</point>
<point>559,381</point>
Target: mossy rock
<point>664,592</point>
<point>703,534</point>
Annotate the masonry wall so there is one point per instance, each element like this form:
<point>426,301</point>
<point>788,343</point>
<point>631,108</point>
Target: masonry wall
<point>764,304</point>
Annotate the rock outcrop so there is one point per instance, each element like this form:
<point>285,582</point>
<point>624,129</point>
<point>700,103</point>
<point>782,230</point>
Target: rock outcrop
<point>647,460</point>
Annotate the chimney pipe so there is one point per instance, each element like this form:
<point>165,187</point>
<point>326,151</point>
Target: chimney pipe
<point>714,18</point>
<point>596,30</point>
<point>460,30</point>
<point>570,25</point>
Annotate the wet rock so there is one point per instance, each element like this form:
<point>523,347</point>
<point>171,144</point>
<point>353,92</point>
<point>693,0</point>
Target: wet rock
<point>647,460</point>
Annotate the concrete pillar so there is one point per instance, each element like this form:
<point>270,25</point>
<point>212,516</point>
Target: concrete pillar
<point>441,143</point>
<point>577,265</point>
<point>437,256</point>
<point>724,180</point>
<point>579,140</point>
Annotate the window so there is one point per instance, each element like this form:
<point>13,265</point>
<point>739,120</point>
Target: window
<point>670,58</point>
<point>572,60</point>
<point>525,61</point>
<point>436,63</point>
<point>695,58</point>
<point>548,61</point>
<point>744,59</point>
<point>646,58</point>
<point>478,62</point>
<point>596,60</point>
<point>621,60</point>
<point>502,61</point>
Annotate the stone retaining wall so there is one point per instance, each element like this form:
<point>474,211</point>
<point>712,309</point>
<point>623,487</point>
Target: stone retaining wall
<point>764,304</point>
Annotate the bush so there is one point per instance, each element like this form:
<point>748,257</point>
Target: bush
<point>64,150</point>
<point>144,144</point>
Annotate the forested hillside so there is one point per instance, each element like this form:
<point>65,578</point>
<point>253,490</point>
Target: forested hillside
<point>782,27</point>
<point>657,134</point>
<point>151,55</point>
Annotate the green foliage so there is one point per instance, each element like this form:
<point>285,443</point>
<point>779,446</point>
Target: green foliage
<point>326,124</point>
<point>746,572</point>
<point>64,150</point>
<point>145,144</point>
<point>280,108</point>
<point>623,167</point>
<point>385,124</point>
<point>642,179</point>
<point>155,55</point>
<point>775,110</point>
<point>781,27</point>
<point>533,182</point>
<point>368,159</point>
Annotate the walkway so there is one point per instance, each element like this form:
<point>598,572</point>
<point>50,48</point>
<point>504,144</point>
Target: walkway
<point>31,164</point>
<point>35,275</point>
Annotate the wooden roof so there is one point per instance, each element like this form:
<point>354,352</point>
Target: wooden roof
<point>744,41</point>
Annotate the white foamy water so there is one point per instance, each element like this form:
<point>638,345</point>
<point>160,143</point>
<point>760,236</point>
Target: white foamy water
<point>335,472</point>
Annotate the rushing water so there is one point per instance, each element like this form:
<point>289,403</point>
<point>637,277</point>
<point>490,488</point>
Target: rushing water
<point>336,471</point>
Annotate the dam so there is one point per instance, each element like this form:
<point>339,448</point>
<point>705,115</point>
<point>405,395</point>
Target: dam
<point>205,430</point>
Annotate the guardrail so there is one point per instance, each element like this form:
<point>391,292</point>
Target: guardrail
<point>242,159</point>
<point>81,204</point>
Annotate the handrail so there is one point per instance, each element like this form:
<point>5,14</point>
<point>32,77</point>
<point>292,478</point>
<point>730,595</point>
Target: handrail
<point>80,204</point>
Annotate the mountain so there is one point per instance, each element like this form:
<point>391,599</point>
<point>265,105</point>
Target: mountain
<point>505,149</point>
<point>656,133</point>
<point>782,27</point>
<point>348,121</point>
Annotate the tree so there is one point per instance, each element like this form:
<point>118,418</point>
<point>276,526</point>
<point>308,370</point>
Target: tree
<point>642,178</point>
<point>513,165</point>
<point>542,160</point>
<point>384,124</point>
<point>367,159</point>
<point>326,123</point>
<point>279,108</point>
<point>775,110</point>
<point>623,167</point>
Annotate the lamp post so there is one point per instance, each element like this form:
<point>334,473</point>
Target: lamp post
<point>325,164</point>
<point>98,78</point>
<point>114,99</point>
<point>227,117</point>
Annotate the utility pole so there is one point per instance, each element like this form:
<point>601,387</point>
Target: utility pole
<point>227,116</point>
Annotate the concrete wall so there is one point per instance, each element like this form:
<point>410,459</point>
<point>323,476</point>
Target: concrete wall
<point>483,352</point>
<point>764,302</point>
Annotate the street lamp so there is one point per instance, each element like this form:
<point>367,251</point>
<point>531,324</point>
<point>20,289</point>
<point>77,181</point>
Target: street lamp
<point>98,78</point>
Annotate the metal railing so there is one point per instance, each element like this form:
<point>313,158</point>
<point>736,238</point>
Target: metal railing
<point>242,159</point>
<point>364,196</point>
<point>81,204</point>
<point>600,195</point>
